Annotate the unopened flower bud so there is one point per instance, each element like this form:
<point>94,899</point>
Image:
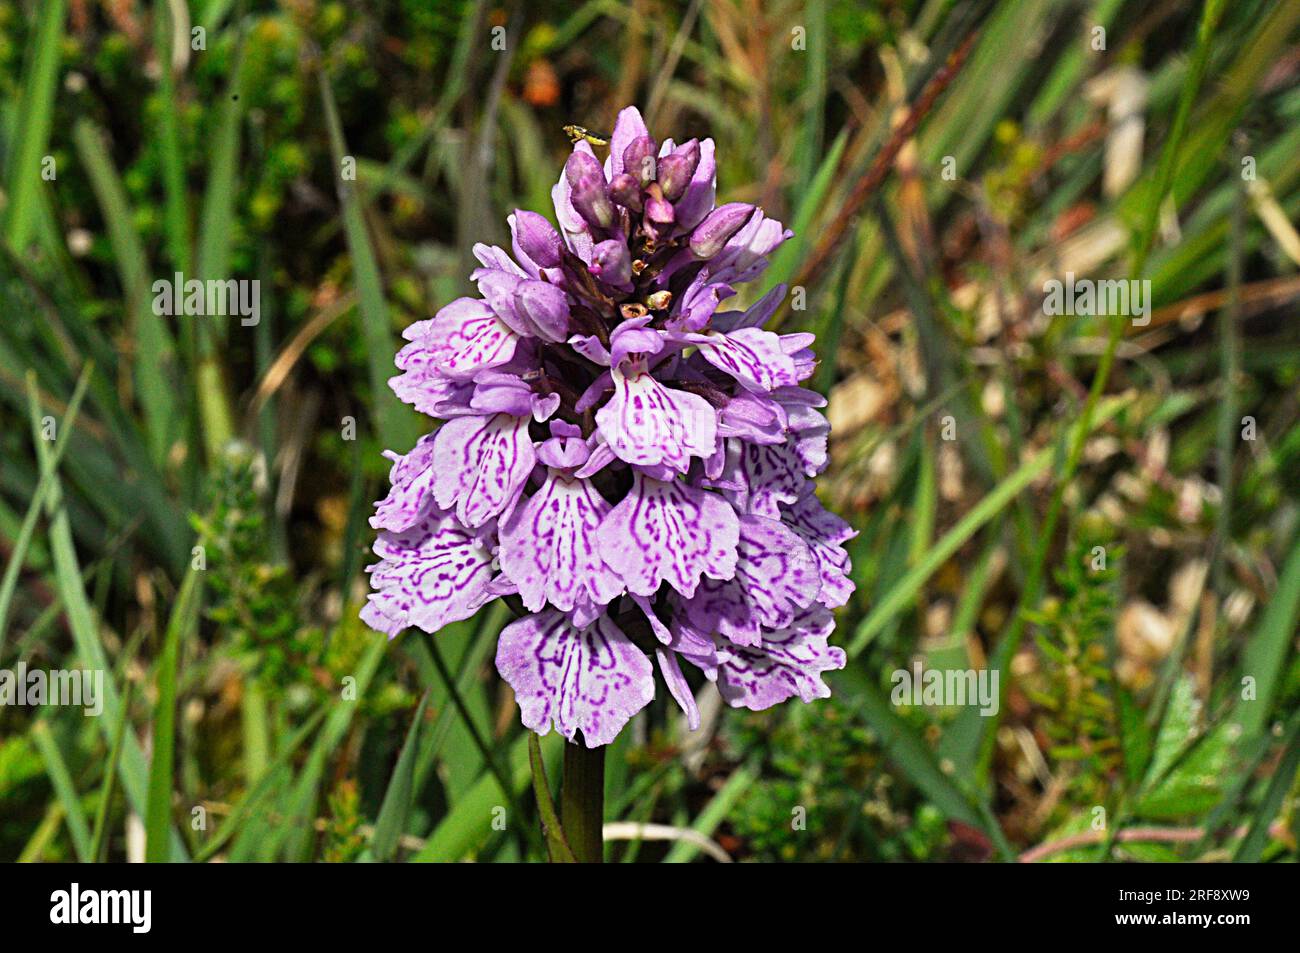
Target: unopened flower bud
<point>676,169</point>
<point>590,195</point>
<point>720,224</point>
<point>536,239</point>
<point>611,262</point>
<point>626,191</point>
<point>639,160</point>
<point>546,308</point>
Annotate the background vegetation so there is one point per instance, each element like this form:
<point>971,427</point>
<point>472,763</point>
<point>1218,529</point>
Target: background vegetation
<point>983,449</point>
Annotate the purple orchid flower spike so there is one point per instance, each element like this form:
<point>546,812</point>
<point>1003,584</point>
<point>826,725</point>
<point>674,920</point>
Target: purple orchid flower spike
<point>630,465</point>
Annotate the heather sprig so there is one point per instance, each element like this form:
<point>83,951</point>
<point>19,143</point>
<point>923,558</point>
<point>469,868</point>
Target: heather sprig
<point>630,462</point>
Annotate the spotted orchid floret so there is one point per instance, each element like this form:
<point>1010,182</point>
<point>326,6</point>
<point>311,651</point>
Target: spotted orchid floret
<point>628,464</point>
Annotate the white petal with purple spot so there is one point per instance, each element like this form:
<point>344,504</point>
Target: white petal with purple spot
<point>788,663</point>
<point>589,679</point>
<point>548,546</point>
<point>435,572</point>
<point>665,530</point>
<point>481,465</point>
<point>646,423</point>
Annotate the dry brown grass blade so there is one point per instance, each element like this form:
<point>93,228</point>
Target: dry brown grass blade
<point>289,355</point>
<point>884,162</point>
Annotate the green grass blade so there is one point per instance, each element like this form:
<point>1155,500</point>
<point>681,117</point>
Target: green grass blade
<point>25,533</point>
<point>557,845</point>
<point>184,617</point>
<point>213,253</point>
<point>715,812</point>
<point>907,749</point>
<point>154,340</point>
<point>63,788</point>
<point>396,806</point>
<point>1266,651</point>
<point>467,719</point>
<point>301,803</point>
<point>235,819</point>
<point>787,258</point>
<point>1252,845</point>
<point>809,142</point>
<point>469,824</point>
<point>35,116</point>
<point>212,258</point>
<point>1158,187</point>
<point>81,620</point>
<point>176,208</point>
<point>395,424</point>
<point>905,590</point>
<point>100,837</point>
<point>488,626</point>
<point>832,325</point>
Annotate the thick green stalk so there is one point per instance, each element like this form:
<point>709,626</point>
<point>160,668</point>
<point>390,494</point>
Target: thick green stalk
<point>582,801</point>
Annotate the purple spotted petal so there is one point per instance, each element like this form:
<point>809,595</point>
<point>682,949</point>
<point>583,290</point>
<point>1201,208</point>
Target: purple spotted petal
<point>591,680</point>
<point>669,531</point>
<point>423,386</point>
<point>772,475</point>
<point>755,418</point>
<point>824,532</point>
<point>697,304</point>
<point>810,432</point>
<point>548,546</point>
<point>698,648</point>
<point>498,289</point>
<point>411,493</point>
<point>788,664</point>
<point>433,573</point>
<point>751,355</point>
<point>565,450</point>
<point>646,423</point>
<point>678,687</point>
<point>776,577</point>
<point>481,464</point>
<point>632,339</point>
<point>469,337</point>
<point>501,393</point>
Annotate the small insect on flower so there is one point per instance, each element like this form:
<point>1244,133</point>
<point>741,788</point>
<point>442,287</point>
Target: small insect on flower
<point>582,134</point>
<point>629,461</point>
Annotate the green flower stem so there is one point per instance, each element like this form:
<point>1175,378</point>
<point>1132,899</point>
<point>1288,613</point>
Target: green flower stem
<point>582,801</point>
